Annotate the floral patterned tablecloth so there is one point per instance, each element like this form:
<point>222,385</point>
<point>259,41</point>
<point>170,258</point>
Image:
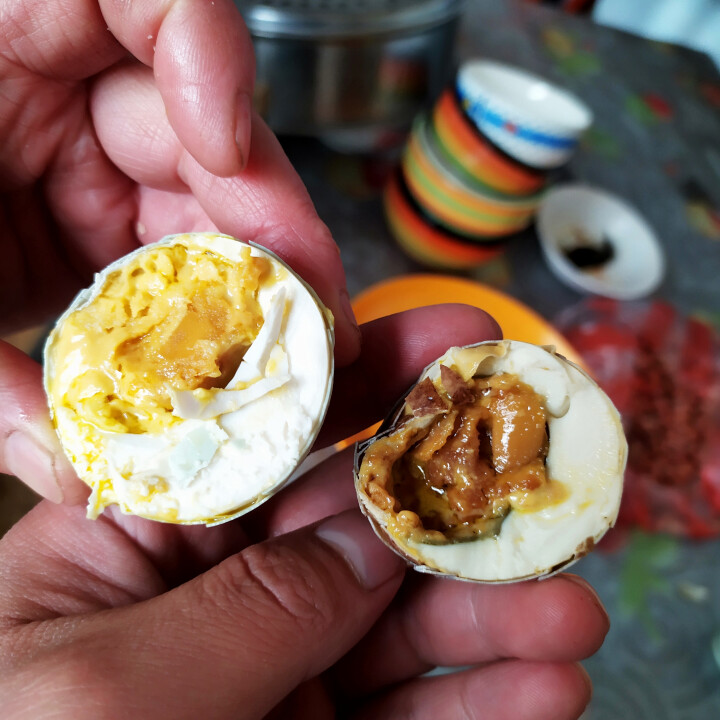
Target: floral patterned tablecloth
<point>656,143</point>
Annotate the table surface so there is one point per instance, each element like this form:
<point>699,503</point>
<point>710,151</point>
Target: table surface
<point>656,143</point>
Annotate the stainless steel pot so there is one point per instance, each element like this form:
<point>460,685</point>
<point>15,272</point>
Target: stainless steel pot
<point>352,72</point>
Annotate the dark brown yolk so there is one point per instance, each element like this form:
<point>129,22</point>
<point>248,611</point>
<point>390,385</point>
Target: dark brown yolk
<point>458,478</point>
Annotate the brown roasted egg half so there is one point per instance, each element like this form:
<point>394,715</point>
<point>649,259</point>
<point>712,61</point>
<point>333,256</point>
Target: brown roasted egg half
<point>504,462</point>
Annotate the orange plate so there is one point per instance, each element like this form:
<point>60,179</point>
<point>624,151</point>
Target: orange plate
<point>518,322</point>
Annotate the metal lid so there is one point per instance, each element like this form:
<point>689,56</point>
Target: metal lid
<point>314,19</point>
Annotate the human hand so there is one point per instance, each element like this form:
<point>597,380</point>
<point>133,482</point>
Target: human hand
<point>277,616</point>
<point>120,123</point>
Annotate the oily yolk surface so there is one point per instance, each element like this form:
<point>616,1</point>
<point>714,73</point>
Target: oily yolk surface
<point>173,317</point>
<point>459,477</point>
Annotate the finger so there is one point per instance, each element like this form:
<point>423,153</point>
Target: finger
<point>58,39</point>
<point>29,447</point>
<point>46,133</point>
<point>324,491</point>
<point>267,203</point>
<point>245,634</point>
<point>514,690</point>
<point>395,350</point>
<point>445,622</point>
<point>201,54</point>
<point>94,204</point>
<point>204,67</point>
<point>309,701</point>
<point>55,562</point>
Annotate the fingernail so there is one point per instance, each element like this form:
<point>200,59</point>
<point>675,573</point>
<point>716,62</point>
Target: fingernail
<point>243,121</point>
<point>590,590</point>
<point>351,536</point>
<point>29,460</point>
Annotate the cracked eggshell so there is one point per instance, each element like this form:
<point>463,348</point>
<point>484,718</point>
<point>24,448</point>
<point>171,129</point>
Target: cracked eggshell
<point>587,453</point>
<point>229,455</point>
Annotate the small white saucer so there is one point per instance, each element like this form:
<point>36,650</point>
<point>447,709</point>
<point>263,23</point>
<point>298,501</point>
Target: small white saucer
<point>571,216</point>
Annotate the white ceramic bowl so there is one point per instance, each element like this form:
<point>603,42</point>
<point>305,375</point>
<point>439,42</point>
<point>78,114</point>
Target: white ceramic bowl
<point>527,117</point>
<point>637,265</point>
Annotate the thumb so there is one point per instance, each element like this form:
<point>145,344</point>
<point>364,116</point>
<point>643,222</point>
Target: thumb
<point>236,640</point>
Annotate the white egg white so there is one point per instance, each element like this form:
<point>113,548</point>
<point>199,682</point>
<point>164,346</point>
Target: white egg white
<point>587,454</point>
<point>233,449</point>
